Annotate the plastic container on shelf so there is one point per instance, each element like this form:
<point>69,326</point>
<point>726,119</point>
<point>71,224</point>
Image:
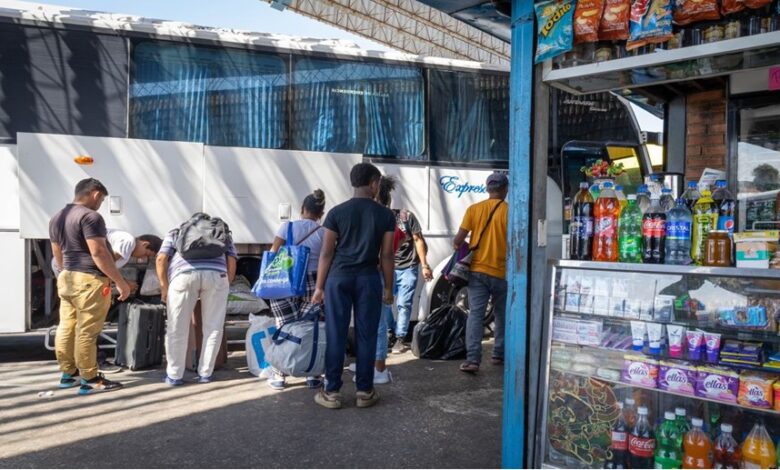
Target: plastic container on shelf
<point>667,200</point>
<point>727,453</point>
<point>667,452</point>
<point>681,418</point>
<point>605,236</point>
<point>678,234</point>
<point>653,233</point>
<point>630,233</point>
<point>705,218</point>
<point>621,196</point>
<point>697,446</point>
<point>691,195</point>
<point>581,227</point>
<point>758,450</point>
<point>641,442</point>
<point>643,197</point>
<point>726,205</point>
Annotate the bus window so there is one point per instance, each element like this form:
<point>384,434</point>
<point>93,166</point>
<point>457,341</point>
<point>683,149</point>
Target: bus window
<point>358,107</point>
<point>469,117</point>
<point>215,96</point>
<point>632,178</point>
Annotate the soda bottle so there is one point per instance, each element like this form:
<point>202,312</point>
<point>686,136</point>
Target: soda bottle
<point>605,237</point>
<point>678,234</point>
<point>682,423</point>
<point>727,453</point>
<point>667,454</point>
<point>630,233</point>
<point>667,200</point>
<point>691,195</point>
<point>581,227</point>
<point>629,410</point>
<point>653,233</point>
<point>705,218</point>
<point>726,205</point>
<point>619,444</point>
<point>643,198</point>
<point>641,442</point>
<point>698,447</point>
<point>758,450</point>
<point>621,197</point>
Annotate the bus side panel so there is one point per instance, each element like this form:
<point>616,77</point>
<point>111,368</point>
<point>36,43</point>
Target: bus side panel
<point>153,185</point>
<point>9,189</point>
<point>245,186</point>
<point>13,316</point>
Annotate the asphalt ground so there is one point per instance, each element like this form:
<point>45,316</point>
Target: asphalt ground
<point>431,416</point>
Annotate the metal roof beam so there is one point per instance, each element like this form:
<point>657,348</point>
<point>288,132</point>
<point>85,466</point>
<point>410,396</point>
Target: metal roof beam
<point>406,25</point>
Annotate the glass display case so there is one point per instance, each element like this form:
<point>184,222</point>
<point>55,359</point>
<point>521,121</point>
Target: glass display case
<point>701,340</point>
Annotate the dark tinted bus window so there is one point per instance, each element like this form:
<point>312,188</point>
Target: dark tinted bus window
<point>469,117</point>
<point>215,96</point>
<point>358,107</point>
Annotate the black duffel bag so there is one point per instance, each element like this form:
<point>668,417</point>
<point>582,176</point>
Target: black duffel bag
<point>442,335</point>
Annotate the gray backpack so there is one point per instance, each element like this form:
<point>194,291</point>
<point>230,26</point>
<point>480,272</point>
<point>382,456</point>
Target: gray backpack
<point>203,237</point>
<point>298,348</point>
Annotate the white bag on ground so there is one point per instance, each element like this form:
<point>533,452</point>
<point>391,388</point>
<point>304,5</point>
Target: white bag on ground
<point>258,338</point>
<point>151,283</point>
<point>298,348</point>
<point>242,300</point>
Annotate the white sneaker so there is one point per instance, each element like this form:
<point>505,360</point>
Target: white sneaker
<point>352,367</point>
<point>380,378</point>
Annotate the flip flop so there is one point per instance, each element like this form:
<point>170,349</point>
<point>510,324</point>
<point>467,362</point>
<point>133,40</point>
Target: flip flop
<point>469,367</point>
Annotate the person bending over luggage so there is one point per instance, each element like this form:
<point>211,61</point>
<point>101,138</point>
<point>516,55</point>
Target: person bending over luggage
<point>306,232</point>
<point>122,246</point>
<point>356,232</point>
<point>78,241</point>
<point>196,261</point>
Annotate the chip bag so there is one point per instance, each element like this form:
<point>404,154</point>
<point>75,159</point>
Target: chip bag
<point>554,36</point>
<point>691,11</point>
<point>651,22</point>
<point>614,21</point>
<point>756,4</point>
<point>729,7</point>
<point>587,17</point>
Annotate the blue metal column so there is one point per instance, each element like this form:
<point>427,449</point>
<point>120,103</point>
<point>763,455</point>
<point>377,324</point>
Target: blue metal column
<point>520,114</point>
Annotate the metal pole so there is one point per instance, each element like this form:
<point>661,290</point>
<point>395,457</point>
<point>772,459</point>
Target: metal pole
<point>520,101</point>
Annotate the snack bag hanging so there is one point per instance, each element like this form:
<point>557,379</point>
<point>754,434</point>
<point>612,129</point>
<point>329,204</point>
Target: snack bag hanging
<point>614,21</point>
<point>691,11</point>
<point>554,35</point>
<point>651,22</point>
<point>729,7</point>
<point>756,4</point>
<point>587,17</point>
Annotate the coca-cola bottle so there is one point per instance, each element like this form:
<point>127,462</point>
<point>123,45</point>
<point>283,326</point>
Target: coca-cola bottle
<point>619,444</point>
<point>641,442</point>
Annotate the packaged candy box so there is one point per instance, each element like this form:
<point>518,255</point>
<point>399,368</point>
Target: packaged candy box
<point>755,389</point>
<point>717,383</point>
<point>678,377</point>
<point>639,370</point>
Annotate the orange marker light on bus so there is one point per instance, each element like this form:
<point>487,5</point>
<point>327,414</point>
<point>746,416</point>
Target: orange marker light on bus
<point>83,160</point>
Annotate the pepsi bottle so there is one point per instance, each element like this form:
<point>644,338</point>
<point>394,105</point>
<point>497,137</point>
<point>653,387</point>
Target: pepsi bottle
<point>653,233</point>
<point>581,227</point>
<point>726,206</point>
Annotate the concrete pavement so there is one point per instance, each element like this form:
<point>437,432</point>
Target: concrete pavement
<point>431,416</point>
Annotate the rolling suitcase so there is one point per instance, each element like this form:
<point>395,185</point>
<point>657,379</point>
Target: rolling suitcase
<point>139,342</point>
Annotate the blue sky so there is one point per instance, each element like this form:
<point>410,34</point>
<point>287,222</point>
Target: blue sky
<point>252,15</point>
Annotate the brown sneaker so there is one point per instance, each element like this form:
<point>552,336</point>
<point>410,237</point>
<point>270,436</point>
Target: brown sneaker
<point>366,399</point>
<point>331,400</point>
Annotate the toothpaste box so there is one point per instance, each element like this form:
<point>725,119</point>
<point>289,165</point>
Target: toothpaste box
<point>639,370</point>
<point>717,383</point>
<point>564,330</point>
<point>678,377</point>
<point>589,332</point>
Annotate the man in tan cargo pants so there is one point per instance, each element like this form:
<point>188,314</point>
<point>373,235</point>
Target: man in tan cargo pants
<point>78,241</point>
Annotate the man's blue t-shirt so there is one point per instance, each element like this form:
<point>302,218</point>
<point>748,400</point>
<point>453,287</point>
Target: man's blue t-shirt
<point>360,224</point>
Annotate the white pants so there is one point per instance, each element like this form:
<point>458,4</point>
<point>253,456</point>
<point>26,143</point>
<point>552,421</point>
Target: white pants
<point>212,288</point>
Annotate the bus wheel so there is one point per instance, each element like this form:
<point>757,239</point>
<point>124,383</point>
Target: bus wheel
<point>460,298</point>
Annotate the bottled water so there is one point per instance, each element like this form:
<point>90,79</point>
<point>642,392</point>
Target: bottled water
<point>678,234</point>
<point>643,198</point>
<point>667,200</point>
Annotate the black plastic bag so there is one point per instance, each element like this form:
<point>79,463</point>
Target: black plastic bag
<point>442,335</point>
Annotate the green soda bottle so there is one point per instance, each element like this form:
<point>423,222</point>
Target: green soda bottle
<point>630,233</point>
<point>667,452</point>
<point>682,423</point>
<point>705,218</point>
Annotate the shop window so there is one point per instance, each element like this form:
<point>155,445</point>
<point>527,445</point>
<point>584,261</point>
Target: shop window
<point>358,107</point>
<point>215,96</point>
<point>469,117</point>
<point>758,165</point>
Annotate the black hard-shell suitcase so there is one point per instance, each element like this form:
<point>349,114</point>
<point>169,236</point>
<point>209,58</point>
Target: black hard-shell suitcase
<point>139,342</point>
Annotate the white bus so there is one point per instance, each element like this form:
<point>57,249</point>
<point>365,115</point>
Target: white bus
<point>179,118</point>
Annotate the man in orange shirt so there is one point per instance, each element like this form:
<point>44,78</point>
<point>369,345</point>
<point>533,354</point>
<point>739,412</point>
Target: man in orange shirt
<point>487,223</point>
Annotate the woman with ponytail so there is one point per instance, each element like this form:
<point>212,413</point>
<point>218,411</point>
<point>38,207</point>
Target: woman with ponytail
<point>306,232</point>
